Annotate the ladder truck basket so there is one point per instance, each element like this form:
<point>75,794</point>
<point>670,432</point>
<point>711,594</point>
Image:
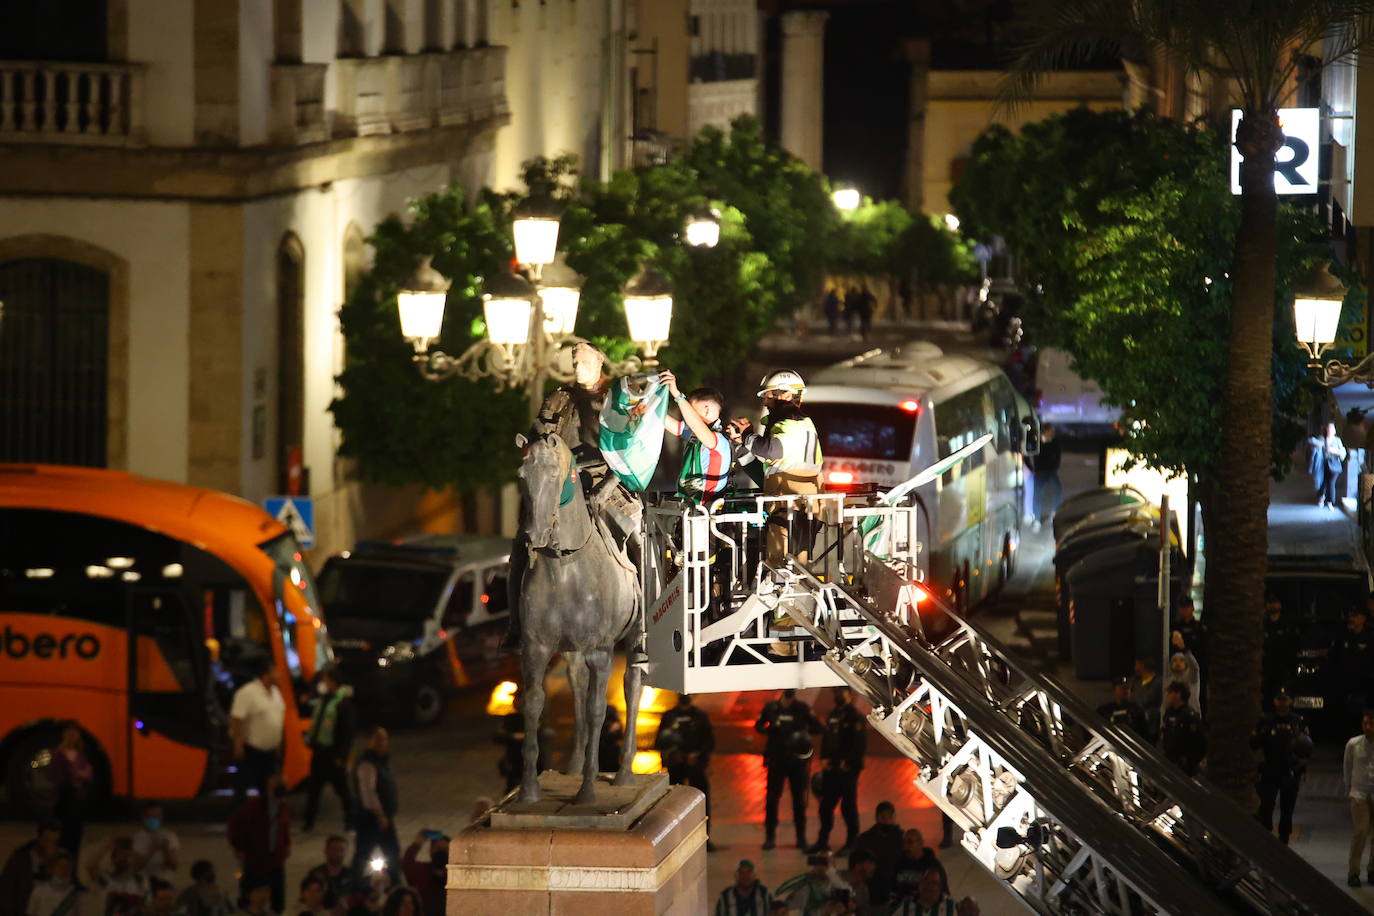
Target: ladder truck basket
<point>712,599</point>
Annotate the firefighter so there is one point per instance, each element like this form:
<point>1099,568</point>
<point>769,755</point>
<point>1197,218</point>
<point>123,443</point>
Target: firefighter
<point>685,741</point>
<point>788,724</point>
<point>842,759</point>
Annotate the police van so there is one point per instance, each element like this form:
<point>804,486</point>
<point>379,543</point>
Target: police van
<point>417,618</point>
<point>885,415</point>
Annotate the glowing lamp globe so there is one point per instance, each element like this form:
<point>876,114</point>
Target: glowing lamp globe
<point>846,198</point>
<point>703,231</point>
<point>649,309</point>
<point>421,304</point>
<point>507,308</point>
<point>535,229</point>
<point>1317,311</point>
<point>560,290</point>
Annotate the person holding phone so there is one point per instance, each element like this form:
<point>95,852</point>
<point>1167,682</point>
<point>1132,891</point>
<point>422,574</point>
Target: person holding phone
<point>427,878</point>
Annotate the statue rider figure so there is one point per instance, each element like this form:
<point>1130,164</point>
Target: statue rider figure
<point>573,413</point>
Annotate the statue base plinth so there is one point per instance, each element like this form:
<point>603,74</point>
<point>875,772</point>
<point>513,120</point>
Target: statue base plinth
<point>552,857</point>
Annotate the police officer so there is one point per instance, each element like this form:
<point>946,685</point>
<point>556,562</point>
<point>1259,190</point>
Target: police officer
<point>1285,746</point>
<point>1349,662</point>
<point>1180,732</point>
<point>789,724</point>
<point>1196,638</point>
<point>1124,711</point>
<point>1281,640</point>
<point>788,448</point>
<point>843,744</point>
<point>685,741</point>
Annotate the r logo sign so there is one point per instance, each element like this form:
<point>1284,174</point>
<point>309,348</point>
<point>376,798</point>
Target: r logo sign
<point>1295,164</point>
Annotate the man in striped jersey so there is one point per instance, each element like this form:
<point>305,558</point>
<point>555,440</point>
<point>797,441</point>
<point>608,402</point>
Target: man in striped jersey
<point>707,454</point>
<point>746,897</point>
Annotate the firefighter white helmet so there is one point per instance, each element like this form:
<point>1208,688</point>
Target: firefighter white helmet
<point>782,380</point>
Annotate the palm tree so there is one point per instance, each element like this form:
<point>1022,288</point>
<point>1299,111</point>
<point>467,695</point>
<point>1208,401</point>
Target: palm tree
<point>1257,46</point>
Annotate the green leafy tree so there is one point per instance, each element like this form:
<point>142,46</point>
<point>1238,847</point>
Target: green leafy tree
<point>1254,45</point>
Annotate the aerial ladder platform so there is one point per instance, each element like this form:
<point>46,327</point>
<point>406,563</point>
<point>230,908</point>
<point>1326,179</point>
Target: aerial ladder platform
<point>1071,815</point>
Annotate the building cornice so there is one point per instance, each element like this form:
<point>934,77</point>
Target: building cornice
<point>229,175</point>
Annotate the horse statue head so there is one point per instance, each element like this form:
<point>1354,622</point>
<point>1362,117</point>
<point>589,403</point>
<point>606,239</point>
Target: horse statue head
<point>548,480</point>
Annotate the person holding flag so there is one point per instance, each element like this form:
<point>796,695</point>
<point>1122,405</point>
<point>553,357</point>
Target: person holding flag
<point>707,456</point>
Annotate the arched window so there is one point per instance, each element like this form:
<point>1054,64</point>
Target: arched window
<point>290,354</point>
<point>354,259</point>
<point>54,362</point>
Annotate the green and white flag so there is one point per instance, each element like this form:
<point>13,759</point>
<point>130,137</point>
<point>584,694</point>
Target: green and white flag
<point>632,430</point>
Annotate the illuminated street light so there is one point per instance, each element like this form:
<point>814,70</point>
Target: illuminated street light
<point>846,198</point>
<point>649,311</point>
<point>421,304</point>
<point>703,230</point>
<point>952,222</point>
<point>535,230</point>
<point>560,288</point>
<point>1316,315</point>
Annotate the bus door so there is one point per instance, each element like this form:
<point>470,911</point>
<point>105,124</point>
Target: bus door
<point>171,709</point>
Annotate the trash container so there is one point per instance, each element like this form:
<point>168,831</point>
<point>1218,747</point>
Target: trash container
<point>1133,530</point>
<point>1114,615</point>
<point>1095,500</point>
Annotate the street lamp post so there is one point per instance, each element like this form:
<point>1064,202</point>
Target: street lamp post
<point>530,322</point>
<point>1316,315</point>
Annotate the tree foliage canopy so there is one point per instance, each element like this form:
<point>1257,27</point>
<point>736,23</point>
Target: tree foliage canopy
<point>1126,226</point>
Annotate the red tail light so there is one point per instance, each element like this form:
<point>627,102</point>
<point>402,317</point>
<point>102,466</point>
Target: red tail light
<point>911,406</point>
<point>840,478</point>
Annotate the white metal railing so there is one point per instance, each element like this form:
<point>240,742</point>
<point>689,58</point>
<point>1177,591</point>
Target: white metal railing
<point>73,103</point>
<point>710,595</point>
<point>397,93</point>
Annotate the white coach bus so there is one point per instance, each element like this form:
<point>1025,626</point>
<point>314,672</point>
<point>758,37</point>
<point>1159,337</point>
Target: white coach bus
<point>886,415</point>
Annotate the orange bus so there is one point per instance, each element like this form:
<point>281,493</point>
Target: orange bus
<point>135,607</point>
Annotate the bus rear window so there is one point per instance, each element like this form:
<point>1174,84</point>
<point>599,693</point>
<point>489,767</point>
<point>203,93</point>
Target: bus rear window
<point>863,430</point>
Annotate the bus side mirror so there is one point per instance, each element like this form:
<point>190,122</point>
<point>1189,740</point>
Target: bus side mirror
<point>1030,440</point>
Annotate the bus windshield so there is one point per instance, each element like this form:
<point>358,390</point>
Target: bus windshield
<point>286,553</point>
<point>871,431</point>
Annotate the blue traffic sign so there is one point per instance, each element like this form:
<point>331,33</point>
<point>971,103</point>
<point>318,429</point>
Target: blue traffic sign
<point>296,513</point>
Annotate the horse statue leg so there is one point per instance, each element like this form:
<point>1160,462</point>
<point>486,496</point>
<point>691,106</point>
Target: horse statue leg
<point>577,683</point>
<point>598,662</point>
<point>634,675</point>
<point>534,661</point>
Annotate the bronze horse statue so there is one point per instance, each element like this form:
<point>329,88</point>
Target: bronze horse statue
<point>577,597</point>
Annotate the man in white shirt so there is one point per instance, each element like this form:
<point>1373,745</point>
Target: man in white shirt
<point>255,725</point>
<point>1359,786</point>
<point>156,846</point>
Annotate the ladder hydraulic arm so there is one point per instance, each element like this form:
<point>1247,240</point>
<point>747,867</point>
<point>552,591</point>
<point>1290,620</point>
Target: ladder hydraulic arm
<point>1072,815</point>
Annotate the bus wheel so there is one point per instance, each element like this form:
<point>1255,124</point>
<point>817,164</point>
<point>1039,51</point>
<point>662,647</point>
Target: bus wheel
<point>29,774</point>
<point>428,706</point>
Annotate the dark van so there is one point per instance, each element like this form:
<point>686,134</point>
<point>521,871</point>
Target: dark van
<point>417,618</point>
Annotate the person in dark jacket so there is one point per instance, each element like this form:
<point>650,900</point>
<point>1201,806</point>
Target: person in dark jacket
<point>428,878</point>
<point>1281,641</point>
<point>685,740</point>
<point>331,740</point>
<point>916,859</point>
<point>374,787</point>
<point>1147,691</point>
<point>1124,711</point>
<point>843,745</point>
<point>29,863</point>
<point>1045,466</point>
<point>884,842</point>
<point>1351,661</point>
<point>260,834</point>
<point>788,724</point>
<point>1282,739</point>
<point>1180,732</point>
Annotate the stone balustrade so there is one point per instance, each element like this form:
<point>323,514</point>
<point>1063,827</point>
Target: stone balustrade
<point>71,103</point>
<point>719,103</point>
<point>393,94</point>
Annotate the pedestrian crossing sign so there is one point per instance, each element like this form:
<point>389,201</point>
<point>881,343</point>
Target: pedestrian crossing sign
<point>296,513</point>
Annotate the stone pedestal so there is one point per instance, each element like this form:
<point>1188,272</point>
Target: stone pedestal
<point>639,851</point>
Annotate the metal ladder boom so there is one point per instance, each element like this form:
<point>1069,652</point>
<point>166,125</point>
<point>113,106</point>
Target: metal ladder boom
<point>1072,815</point>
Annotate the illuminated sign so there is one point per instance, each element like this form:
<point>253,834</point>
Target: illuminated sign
<point>1295,164</point>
